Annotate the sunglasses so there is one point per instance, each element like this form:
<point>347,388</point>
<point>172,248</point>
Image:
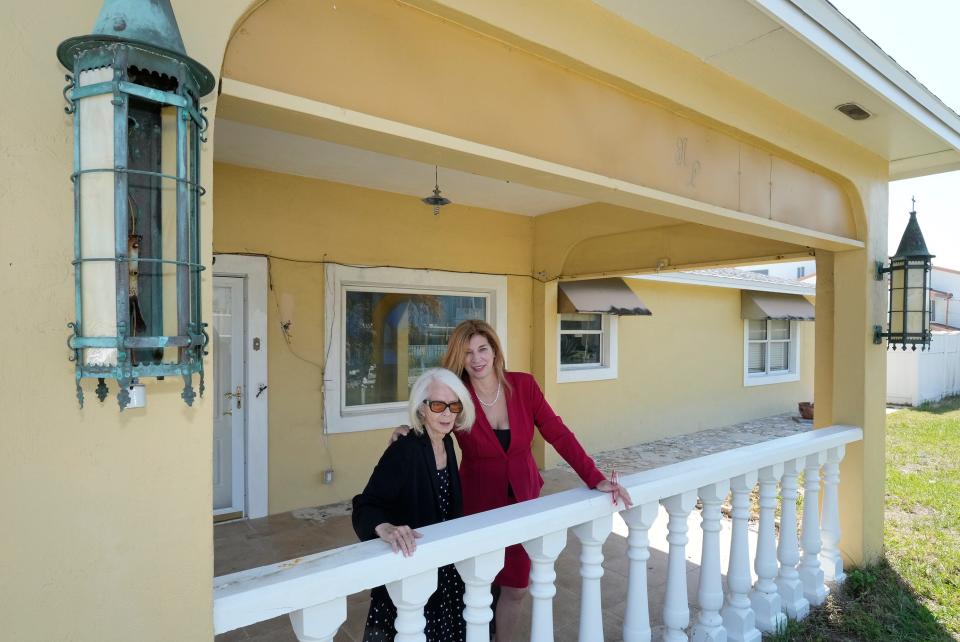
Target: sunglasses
<point>439,406</point>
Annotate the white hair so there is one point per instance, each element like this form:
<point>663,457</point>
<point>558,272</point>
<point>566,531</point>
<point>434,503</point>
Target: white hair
<point>418,394</point>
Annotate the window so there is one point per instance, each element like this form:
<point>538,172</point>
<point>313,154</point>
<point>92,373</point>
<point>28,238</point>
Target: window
<point>933,309</point>
<point>770,351</point>
<point>587,347</point>
<point>801,272</point>
<point>386,326</point>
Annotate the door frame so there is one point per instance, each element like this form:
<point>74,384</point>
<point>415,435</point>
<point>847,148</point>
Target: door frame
<point>254,270</point>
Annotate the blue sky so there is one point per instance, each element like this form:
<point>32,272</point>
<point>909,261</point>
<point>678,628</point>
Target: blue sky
<point>922,36</point>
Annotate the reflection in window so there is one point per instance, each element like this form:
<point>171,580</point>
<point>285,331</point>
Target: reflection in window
<point>392,337</point>
<point>581,339</point>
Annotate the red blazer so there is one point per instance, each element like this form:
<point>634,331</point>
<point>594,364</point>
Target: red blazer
<point>485,469</point>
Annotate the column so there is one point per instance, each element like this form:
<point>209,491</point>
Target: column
<point>809,569</point>
<point>738,617</point>
<point>764,597</point>
<point>830,559</point>
<point>788,580</point>
<point>636,619</point>
<point>676,609</point>
<point>543,552</point>
<point>410,595</point>
<point>319,623</point>
<point>592,534</point>
<point>709,625</point>
<point>478,573</point>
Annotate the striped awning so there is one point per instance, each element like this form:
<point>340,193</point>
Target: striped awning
<point>774,305</point>
<point>608,296</point>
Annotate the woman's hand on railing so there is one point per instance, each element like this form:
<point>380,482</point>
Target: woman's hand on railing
<point>398,432</point>
<point>617,492</point>
<point>400,538</point>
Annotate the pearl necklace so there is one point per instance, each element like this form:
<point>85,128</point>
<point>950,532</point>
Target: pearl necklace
<point>495,399</point>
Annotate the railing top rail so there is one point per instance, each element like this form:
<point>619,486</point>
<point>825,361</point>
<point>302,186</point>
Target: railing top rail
<point>262,593</point>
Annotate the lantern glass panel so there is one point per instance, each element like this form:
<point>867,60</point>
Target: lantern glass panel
<point>915,280</point>
<point>169,222</point>
<point>896,288</point>
<point>915,322</point>
<point>98,278</point>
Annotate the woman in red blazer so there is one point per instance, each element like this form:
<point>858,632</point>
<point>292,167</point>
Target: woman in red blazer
<point>497,466</point>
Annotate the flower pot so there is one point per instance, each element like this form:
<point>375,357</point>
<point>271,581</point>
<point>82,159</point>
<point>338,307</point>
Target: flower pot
<point>806,409</point>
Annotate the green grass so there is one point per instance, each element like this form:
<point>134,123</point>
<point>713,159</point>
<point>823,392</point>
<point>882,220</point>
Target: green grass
<point>914,593</point>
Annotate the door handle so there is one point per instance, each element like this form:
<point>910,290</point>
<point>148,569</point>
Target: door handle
<point>238,395</point>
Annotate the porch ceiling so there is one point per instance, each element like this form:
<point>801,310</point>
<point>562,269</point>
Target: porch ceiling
<point>806,54</point>
<point>276,151</point>
<point>303,117</point>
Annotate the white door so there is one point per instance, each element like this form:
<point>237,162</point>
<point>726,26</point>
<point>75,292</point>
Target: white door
<point>229,426</point>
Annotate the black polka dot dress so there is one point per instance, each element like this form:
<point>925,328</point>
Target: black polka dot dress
<point>444,609</point>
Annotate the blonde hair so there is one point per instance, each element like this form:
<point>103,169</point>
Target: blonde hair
<point>418,394</point>
<point>459,343</point>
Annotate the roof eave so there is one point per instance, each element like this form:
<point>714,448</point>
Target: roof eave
<point>823,27</point>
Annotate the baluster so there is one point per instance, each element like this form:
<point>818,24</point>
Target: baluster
<point>738,617</point>
<point>319,623</point>
<point>709,625</point>
<point>676,610</point>
<point>636,620</point>
<point>788,580</point>
<point>830,560</point>
<point>543,552</point>
<point>809,570</point>
<point>764,597</point>
<point>410,595</point>
<point>592,534</point>
<point>477,573</point>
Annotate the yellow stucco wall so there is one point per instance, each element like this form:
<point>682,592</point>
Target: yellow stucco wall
<point>680,370</point>
<point>316,220</point>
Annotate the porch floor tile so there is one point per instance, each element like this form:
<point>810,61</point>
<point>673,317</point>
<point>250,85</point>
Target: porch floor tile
<point>276,538</point>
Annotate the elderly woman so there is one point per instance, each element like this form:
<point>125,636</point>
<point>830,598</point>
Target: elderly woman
<point>416,484</point>
<point>498,467</point>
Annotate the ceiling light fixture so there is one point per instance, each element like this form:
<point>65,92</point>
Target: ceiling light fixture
<point>436,200</point>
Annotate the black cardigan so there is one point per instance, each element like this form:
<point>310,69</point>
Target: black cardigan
<point>403,488</point>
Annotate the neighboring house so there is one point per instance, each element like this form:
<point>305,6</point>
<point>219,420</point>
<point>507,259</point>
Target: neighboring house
<point>945,297</point>
<point>579,141</point>
<point>798,270</point>
<point>915,377</point>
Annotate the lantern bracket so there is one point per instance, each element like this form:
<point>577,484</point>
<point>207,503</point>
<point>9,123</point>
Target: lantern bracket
<point>881,270</point>
<point>878,334</point>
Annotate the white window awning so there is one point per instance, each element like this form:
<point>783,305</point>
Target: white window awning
<point>606,296</point>
<point>773,305</point>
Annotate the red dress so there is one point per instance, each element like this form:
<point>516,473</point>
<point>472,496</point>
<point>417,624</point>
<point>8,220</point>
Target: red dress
<point>487,472</point>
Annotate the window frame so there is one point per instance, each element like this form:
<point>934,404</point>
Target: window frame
<point>777,376</point>
<point>340,279</point>
<point>608,367</point>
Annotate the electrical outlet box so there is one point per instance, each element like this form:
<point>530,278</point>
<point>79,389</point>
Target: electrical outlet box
<point>328,476</point>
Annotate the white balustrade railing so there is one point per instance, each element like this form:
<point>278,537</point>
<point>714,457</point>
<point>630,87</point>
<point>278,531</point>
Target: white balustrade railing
<point>313,590</point>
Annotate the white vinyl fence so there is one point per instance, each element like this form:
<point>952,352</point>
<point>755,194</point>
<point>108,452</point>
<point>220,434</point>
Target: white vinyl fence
<point>914,377</point>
